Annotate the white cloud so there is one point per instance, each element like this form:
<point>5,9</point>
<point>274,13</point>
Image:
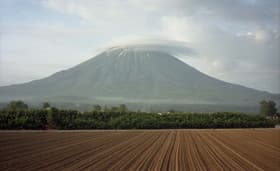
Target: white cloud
<point>263,36</point>
<point>227,56</point>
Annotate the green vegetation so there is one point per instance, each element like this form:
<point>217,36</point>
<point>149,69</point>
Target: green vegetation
<point>268,108</point>
<point>46,105</point>
<point>23,119</point>
<point>71,119</point>
<point>16,105</point>
<point>17,116</point>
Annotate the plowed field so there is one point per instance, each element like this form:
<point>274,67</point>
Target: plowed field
<point>230,149</point>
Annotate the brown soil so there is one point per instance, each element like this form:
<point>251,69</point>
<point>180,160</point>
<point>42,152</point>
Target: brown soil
<point>225,149</point>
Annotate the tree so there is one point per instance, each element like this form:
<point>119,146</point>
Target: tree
<point>114,109</point>
<point>268,107</point>
<point>97,108</point>
<point>106,109</point>
<point>171,111</point>
<point>46,105</point>
<point>17,105</point>
<point>123,108</point>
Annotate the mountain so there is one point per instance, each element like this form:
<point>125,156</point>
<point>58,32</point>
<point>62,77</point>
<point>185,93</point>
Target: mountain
<point>133,74</point>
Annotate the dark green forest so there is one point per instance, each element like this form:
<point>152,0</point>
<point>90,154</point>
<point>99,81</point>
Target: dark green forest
<point>17,115</point>
<point>71,119</point>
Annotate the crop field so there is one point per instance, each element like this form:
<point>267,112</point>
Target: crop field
<point>221,149</point>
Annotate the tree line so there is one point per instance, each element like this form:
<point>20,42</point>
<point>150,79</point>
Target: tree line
<point>120,118</point>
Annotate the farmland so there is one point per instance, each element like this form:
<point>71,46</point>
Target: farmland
<point>208,149</point>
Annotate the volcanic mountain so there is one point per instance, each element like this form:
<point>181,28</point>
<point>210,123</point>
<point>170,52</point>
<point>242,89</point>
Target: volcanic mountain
<point>133,75</point>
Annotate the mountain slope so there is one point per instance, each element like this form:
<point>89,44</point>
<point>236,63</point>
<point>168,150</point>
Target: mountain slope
<point>132,74</point>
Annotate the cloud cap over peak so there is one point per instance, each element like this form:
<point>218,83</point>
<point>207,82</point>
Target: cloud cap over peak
<point>172,47</point>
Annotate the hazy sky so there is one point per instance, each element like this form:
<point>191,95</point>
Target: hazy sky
<point>234,40</point>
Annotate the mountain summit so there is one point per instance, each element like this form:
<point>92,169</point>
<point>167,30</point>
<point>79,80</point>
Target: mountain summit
<point>133,74</point>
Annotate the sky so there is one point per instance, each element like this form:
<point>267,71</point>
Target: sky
<point>237,41</point>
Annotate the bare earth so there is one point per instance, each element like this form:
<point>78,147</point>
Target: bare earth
<point>223,149</point>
